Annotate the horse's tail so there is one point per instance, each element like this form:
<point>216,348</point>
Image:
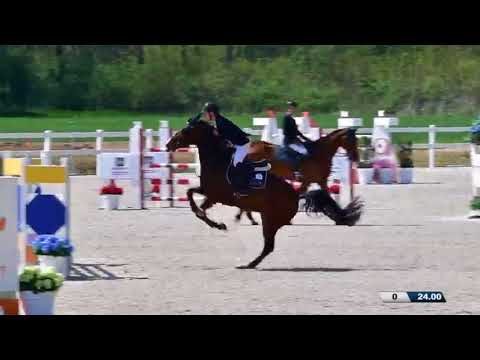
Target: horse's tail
<point>320,201</point>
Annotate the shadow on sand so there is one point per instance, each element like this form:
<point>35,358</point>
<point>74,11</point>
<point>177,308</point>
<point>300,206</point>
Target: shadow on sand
<point>97,272</point>
<point>324,270</point>
<point>300,270</point>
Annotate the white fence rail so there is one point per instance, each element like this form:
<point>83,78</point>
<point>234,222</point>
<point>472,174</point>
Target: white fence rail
<point>101,135</point>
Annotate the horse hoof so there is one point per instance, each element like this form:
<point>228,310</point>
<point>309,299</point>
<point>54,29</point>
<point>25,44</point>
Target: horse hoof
<point>255,224</point>
<point>222,227</point>
<point>245,267</point>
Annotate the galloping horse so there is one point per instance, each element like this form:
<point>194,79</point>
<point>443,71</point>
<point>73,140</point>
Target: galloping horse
<point>277,203</point>
<point>316,168</point>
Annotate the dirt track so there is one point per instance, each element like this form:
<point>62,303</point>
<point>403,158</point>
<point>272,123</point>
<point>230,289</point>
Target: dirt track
<point>165,261</point>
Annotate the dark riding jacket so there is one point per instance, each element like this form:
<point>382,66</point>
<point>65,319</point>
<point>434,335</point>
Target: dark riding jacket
<point>231,132</point>
<point>290,131</point>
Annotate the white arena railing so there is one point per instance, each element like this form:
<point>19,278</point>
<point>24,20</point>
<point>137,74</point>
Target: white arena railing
<point>101,135</point>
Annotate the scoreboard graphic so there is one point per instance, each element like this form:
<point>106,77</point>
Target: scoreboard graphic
<point>404,297</point>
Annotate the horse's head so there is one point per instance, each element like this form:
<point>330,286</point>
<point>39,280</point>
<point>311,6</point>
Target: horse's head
<point>347,139</point>
<point>196,133</point>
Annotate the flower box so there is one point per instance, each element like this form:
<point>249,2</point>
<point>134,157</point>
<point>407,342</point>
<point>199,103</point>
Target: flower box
<point>475,155</point>
<point>111,189</point>
<point>54,252</point>
<point>60,263</point>
<point>110,202</point>
<point>474,214</point>
<point>365,176</point>
<point>405,175</point>
<point>110,196</point>
<point>386,176</point>
<point>38,289</point>
<point>38,304</point>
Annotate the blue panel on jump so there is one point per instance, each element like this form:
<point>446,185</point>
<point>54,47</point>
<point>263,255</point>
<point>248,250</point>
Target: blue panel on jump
<point>46,214</point>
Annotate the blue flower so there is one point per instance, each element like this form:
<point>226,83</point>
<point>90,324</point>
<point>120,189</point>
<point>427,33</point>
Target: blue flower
<point>46,249</point>
<point>53,240</point>
<point>39,239</point>
<point>56,246</point>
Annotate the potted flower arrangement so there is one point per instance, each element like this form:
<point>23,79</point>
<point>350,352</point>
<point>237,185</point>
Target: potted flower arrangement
<point>38,288</point>
<point>365,172</point>
<point>406,164</point>
<point>110,196</point>
<point>475,208</point>
<point>365,166</point>
<point>53,252</point>
<point>476,144</point>
<point>475,156</point>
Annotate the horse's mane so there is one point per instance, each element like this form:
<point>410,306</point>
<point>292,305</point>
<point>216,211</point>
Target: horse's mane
<point>347,131</point>
<point>336,132</point>
<point>217,146</point>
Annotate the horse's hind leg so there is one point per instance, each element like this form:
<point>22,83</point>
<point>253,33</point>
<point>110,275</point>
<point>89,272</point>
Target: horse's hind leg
<point>201,213</point>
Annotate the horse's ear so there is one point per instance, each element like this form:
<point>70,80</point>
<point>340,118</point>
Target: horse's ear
<point>352,133</point>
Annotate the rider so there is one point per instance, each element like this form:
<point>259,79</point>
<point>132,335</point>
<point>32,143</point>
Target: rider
<point>293,138</point>
<point>231,132</point>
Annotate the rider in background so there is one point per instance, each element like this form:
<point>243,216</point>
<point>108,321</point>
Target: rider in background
<point>271,113</point>
<point>293,138</point>
<point>239,139</point>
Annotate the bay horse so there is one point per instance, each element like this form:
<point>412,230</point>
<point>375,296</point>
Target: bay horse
<point>316,168</point>
<point>277,203</point>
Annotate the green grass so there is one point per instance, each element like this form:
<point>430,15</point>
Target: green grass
<point>67,121</point>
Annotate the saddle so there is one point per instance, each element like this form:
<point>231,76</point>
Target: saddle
<point>290,156</point>
<point>248,175</point>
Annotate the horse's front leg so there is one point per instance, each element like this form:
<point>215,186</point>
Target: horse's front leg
<point>201,213</point>
<point>239,216</point>
<point>249,215</point>
<point>252,220</point>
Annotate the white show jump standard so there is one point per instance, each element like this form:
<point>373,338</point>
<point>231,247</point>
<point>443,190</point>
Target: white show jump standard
<point>9,250</point>
<point>159,168</point>
<point>15,228</point>
<point>49,211</point>
<point>139,165</point>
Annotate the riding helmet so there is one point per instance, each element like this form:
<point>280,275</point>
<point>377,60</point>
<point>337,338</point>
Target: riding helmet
<point>292,104</point>
<point>211,107</point>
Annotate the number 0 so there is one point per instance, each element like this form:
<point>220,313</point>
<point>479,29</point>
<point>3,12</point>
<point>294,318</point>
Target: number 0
<point>394,296</point>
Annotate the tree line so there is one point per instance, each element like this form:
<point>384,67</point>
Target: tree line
<point>409,79</point>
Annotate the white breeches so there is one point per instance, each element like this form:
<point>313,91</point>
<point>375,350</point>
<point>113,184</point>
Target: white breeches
<point>240,153</point>
<point>299,148</point>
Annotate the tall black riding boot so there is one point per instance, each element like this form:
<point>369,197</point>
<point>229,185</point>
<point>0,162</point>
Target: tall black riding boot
<point>243,178</point>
